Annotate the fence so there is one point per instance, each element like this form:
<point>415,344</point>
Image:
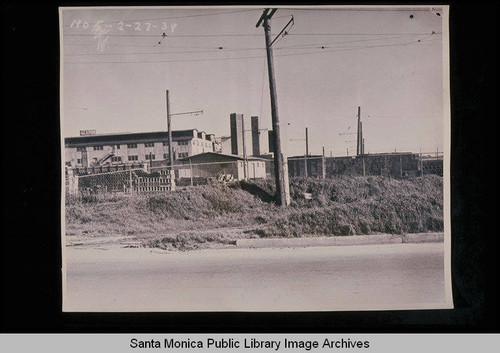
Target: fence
<point>150,178</point>
<point>158,177</point>
<point>129,181</point>
<point>388,164</point>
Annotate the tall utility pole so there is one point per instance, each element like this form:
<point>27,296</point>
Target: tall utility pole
<point>169,128</point>
<point>323,164</point>
<point>358,145</point>
<point>307,142</point>
<point>307,151</point>
<point>278,157</point>
<point>245,163</point>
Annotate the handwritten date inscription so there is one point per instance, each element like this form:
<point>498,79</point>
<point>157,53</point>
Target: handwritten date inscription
<point>124,25</point>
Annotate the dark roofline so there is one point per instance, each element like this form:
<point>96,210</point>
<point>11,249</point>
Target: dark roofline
<point>382,154</point>
<point>309,156</point>
<point>233,156</point>
<point>207,135</point>
<point>387,154</point>
<point>128,137</point>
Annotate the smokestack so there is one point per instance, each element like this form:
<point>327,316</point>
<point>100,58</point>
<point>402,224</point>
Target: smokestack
<point>236,125</point>
<point>255,136</point>
<point>270,136</point>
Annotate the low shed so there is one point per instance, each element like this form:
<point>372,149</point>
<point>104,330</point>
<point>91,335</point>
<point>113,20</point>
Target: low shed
<point>217,165</point>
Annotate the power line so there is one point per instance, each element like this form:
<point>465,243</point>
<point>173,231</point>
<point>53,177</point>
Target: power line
<point>360,34</point>
<point>404,117</point>
<point>248,48</point>
<point>263,82</point>
<point>217,47</point>
<point>363,9</point>
<point>169,36</point>
<point>162,61</point>
<point>245,35</point>
<point>342,42</point>
<point>174,17</point>
<point>141,46</point>
<point>222,48</point>
<point>249,57</point>
<point>168,52</point>
<point>284,31</point>
<point>284,16</point>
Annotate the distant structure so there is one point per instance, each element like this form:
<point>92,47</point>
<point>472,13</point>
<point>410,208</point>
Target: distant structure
<point>239,138</point>
<point>223,145</point>
<point>217,165</point>
<point>270,138</point>
<point>236,126</point>
<point>397,164</point>
<point>144,147</point>
<point>255,136</point>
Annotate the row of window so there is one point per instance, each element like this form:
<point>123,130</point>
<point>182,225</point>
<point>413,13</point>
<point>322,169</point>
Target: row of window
<point>152,157</point>
<point>135,158</point>
<point>147,144</point>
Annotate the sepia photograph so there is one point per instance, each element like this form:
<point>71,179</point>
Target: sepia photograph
<point>255,159</point>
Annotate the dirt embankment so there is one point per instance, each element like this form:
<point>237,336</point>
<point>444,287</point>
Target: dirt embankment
<point>219,215</point>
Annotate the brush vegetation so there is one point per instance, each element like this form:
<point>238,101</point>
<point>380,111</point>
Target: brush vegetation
<point>218,215</point>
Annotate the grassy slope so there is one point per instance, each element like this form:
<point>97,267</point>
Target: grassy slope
<point>195,217</point>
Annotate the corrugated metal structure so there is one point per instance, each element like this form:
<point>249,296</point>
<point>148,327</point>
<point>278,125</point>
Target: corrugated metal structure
<point>397,164</point>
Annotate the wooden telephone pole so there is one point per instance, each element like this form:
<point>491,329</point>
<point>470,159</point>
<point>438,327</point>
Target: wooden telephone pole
<point>358,144</point>
<point>307,151</point>
<point>278,157</point>
<point>169,128</point>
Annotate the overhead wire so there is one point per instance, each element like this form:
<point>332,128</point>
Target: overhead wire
<point>343,42</point>
<point>248,57</point>
<point>225,47</point>
<point>141,46</point>
<point>263,83</point>
<point>241,58</point>
<point>175,17</point>
<point>170,36</point>
<point>243,35</point>
<point>374,8</point>
<point>209,49</point>
<point>325,48</point>
<point>356,34</point>
<point>229,49</point>
<point>403,117</point>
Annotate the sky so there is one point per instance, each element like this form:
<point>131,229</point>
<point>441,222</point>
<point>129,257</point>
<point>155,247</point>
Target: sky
<point>117,64</point>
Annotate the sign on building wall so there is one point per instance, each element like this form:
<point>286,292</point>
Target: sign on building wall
<point>88,132</point>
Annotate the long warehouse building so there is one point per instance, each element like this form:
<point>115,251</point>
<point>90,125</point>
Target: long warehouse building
<point>102,149</point>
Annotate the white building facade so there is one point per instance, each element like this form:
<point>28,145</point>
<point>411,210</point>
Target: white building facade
<point>128,148</point>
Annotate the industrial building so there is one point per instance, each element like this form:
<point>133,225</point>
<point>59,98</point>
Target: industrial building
<point>230,159</point>
<point>397,164</point>
<point>200,157</point>
<point>243,142</point>
<point>125,148</point>
<point>217,165</point>
<point>237,134</point>
<point>223,145</point>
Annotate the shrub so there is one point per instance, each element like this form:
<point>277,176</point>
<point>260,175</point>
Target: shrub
<point>339,206</point>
